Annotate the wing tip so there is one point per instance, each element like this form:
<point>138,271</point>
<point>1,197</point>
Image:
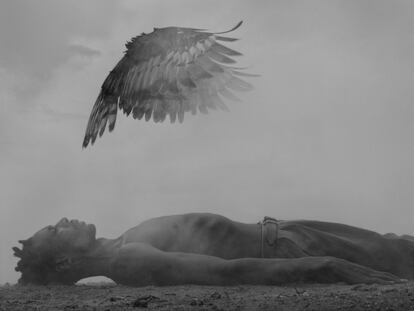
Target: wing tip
<point>85,142</point>
<point>232,29</point>
<point>238,25</point>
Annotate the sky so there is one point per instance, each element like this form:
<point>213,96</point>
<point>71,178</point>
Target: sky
<point>326,133</point>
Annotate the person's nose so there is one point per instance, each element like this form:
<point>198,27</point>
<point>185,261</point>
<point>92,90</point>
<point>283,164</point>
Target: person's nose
<point>63,221</point>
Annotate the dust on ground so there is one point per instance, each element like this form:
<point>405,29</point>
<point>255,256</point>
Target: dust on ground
<point>190,297</point>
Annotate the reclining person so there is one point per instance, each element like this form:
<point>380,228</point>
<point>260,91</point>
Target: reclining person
<point>211,249</point>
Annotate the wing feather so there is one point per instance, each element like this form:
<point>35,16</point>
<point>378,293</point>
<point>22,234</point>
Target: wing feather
<point>229,95</point>
<point>138,112</point>
<point>243,74</point>
<point>181,112</point>
<point>210,65</point>
<point>219,102</point>
<point>218,57</point>
<point>219,48</point>
<point>237,84</point>
<point>227,39</point>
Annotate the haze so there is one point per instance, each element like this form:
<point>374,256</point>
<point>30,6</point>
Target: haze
<point>326,134</point>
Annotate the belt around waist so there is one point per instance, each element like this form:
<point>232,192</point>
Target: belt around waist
<point>269,231</point>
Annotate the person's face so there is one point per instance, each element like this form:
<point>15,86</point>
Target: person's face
<point>70,235</point>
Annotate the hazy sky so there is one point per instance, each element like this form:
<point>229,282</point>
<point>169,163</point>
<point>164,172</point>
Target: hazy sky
<point>326,134</point>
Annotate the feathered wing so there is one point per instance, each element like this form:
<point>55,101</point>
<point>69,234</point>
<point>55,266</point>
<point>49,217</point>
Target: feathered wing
<point>167,73</point>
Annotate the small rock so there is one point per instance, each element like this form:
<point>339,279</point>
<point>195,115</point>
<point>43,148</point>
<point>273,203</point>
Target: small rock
<point>142,302</point>
<point>299,291</point>
<point>389,290</point>
<point>215,295</point>
<point>196,302</point>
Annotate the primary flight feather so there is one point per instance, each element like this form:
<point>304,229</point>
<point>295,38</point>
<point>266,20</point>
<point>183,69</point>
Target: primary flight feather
<point>170,71</point>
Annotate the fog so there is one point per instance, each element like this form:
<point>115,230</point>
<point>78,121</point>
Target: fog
<point>326,133</point>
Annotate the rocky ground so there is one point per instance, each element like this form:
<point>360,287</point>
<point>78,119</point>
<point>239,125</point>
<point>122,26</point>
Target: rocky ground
<point>113,297</point>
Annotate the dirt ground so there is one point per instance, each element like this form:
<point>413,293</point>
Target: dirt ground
<point>106,296</point>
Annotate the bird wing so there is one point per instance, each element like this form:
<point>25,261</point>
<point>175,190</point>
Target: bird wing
<point>170,71</point>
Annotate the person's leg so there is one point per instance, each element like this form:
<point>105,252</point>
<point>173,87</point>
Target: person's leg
<point>357,245</point>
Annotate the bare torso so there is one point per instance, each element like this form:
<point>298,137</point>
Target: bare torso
<point>215,235</point>
<point>207,234</point>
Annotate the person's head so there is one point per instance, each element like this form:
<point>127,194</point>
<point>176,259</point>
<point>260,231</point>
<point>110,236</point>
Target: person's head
<point>48,255</point>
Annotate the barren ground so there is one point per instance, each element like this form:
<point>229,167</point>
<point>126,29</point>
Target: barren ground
<point>301,297</point>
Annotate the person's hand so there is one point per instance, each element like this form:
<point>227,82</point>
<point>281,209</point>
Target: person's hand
<point>341,270</point>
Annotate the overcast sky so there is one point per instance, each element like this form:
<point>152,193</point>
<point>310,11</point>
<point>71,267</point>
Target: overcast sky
<point>326,134</point>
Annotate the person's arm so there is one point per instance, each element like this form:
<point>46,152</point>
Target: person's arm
<point>139,264</point>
